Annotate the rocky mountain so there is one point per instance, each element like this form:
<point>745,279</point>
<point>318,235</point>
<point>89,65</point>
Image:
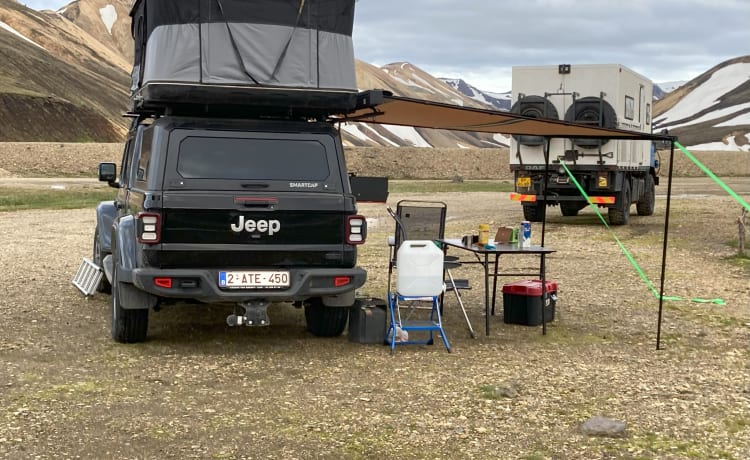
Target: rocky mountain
<point>498,101</point>
<point>404,79</point>
<point>712,111</point>
<point>65,77</point>
<point>57,81</point>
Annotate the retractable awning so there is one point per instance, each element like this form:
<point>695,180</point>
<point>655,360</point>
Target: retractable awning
<point>378,106</point>
<point>383,108</point>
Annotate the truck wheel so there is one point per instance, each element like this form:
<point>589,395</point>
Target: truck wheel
<point>569,209</point>
<point>534,107</point>
<point>533,212</point>
<point>325,321</point>
<point>619,214</point>
<point>645,206</point>
<point>104,285</point>
<point>128,326</point>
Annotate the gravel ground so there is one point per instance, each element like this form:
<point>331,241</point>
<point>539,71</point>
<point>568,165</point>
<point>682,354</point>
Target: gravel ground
<point>198,389</point>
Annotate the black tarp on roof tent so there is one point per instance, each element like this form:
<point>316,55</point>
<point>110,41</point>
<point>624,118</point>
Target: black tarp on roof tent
<point>281,43</point>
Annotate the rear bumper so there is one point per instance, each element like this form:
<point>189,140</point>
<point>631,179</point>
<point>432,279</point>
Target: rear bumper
<point>203,284</point>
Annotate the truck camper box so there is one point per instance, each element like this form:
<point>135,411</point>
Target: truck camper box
<point>614,173</point>
<point>266,52</point>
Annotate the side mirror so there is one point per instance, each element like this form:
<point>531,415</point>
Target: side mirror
<point>369,189</point>
<point>108,173</point>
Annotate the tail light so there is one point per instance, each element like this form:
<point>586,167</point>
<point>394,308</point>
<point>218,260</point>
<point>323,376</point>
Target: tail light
<point>356,229</point>
<point>339,281</point>
<point>148,227</point>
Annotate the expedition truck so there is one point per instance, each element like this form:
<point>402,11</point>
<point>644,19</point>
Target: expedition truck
<point>614,173</point>
<point>241,211</point>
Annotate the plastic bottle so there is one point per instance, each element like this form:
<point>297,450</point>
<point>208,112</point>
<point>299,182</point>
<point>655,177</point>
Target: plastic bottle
<point>484,234</point>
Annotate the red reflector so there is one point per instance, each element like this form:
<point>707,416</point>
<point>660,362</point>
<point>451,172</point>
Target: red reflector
<point>163,282</point>
<point>341,281</point>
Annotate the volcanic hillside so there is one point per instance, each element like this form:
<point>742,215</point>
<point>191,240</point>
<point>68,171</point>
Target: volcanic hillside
<point>66,77</point>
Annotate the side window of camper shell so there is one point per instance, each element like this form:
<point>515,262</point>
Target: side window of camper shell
<point>144,161</point>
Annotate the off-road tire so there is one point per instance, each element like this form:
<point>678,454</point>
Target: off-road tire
<point>569,209</point>
<point>128,326</point>
<point>533,212</point>
<point>104,286</point>
<point>534,107</point>
<point>645,206</point>
<point>325,321</point>
<point>619,214</point>
<point>591,111</point>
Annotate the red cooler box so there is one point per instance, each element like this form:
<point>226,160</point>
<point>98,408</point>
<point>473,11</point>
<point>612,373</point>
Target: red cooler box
<point>522,302</point>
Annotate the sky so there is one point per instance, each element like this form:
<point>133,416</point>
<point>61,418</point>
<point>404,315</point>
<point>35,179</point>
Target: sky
<point>481,40</point>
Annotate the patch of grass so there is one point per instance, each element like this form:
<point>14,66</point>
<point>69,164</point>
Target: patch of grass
<point>656,444</point>
<point>740,260</point>
<point>434,186</point>
<point>737,424</point>
<point>17,199</point>
<point>488,391</point>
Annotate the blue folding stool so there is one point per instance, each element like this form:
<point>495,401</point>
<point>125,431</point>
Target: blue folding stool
<point>419,287</point>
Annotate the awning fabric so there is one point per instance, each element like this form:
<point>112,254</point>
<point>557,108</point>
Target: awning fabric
<point>397,110</point>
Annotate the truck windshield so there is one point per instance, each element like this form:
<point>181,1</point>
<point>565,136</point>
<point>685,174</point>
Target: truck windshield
<point>252,159</point>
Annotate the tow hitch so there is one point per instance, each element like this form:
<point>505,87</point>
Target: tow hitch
<point>256,314</point>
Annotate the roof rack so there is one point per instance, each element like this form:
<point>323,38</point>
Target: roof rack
<point>242,101</point>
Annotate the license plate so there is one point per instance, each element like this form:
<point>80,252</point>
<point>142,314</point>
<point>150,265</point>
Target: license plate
<point>524,182</point>
<point>253,279</point>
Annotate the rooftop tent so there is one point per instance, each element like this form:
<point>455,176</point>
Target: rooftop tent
<point>296,44</point>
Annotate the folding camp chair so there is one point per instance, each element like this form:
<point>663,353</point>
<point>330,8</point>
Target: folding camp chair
<point>425,220</point>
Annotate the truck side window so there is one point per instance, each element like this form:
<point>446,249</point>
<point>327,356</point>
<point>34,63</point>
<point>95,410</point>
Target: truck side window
<point>629,107</point>
<point>145,159</point>
<point>648,114</point>
<point>125,167</point>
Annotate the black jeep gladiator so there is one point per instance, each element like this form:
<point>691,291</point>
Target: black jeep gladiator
<point>249,212</point>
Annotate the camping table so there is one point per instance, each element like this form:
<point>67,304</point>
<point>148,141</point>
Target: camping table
<point>500,249</point>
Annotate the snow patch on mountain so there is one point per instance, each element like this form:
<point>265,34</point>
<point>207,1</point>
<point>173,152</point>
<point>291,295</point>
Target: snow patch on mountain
<point>109,16</point>
<point>707,94</point>
<point>408,134</point>
<point>20,35</point>
<point>730,145</point>
<point>669,86</point>
<point>498,101</point>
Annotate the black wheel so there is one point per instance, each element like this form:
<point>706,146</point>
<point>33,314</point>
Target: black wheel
<point>128,326</point>
<point>325,321</point>
<point>569,209</point>
<point>645,206</point>
<point>533,212</point>
<point>534,107</point>
<point>591,111</point>
<point>98,256</point>
<point>619,214</point>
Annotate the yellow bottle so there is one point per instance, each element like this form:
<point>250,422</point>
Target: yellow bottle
<point>484,234</point>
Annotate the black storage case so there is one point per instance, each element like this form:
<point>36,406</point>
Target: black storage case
<point>522,302</point>
<point>367,321</point>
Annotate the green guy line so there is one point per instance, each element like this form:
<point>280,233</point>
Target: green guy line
<point>625,250</point>
<point>710,174</point>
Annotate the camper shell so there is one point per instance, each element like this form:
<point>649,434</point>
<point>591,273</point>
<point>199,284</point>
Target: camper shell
<point>614,173</point>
